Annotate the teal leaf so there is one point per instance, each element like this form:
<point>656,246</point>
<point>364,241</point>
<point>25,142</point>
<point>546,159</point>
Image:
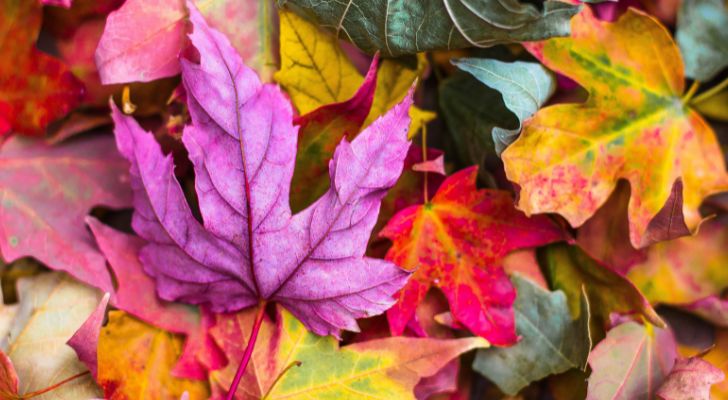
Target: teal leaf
<point>398,27</point>
<point>551,341</point>
<point>525,87</point>
<point>703,37</point>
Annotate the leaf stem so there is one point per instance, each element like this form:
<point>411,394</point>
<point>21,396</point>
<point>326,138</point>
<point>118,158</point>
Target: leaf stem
<point>248,350</point>
<point>710,92</point>
<point>278,378</point>
<point>425,190</point>
<point>52,387</point>
<point>691,92</point>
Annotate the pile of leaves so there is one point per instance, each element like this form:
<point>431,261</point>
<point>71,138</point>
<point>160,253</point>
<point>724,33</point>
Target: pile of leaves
<point>458,199</point>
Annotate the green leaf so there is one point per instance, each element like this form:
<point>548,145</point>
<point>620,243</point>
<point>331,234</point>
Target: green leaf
<point>398,27</point>
<point>703,37</point>
<point>524,88</point>
<point>569,269</point>
<point>551,341</point>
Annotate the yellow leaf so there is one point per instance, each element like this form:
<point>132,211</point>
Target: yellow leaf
<point>135,360</point>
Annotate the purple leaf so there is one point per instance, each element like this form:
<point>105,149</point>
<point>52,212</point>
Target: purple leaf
<point>242,144</point>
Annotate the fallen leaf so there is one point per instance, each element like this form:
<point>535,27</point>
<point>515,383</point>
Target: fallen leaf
<point>550,342</point>
<point>456,242</point>
<point>702,37</point>
<point>436,166</point>
<point>685,270</point>
<point>52,307</point>
<point>315,72</point>
<point>634,126</point>
<point>143,38</point>
<point>135,294</point>
<point>524,88</point>
<point>135,362</point>
<point>569,269</point>
<point>395,27</point>
<point>690,378</point>
<point>605,236</point>
<point>85,341</point>
<point>242,145</point>
<point>35,88</point>
<point>59,3</point>
<point>318,134</point>
<point>712,309</point>
<point>715,106</point>
<point>386,368</point>
<point>631,362</point>
<point>46,191</point>
<point>8,377</point>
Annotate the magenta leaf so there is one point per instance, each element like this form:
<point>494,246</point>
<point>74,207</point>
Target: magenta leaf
<point>86,339</point>
<point>45,192</point>
<point>250,248</point>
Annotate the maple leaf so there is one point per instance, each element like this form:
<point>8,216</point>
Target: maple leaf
<point>135,361</point>
<point>52,307</point>
<point>242,145</point>
<point>455,243</point>
<point>649,353</point>
<point>35,88</point>
<point>85,341</point>
<point>702,37</point>
<point>143,38</point>
<point>45,192</point>
<point>634,127</point>
<point>381,368</point>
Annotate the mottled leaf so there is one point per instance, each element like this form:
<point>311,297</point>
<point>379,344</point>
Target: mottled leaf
<point>524,88</point>
<point>685,270</point>
<point>135,362</point>
<point>386,368</point>
<point>397,27</point>
<point>455,242</point>
<point>569,269</point>
<point>550,342</point>
<point>690,379</point>
<point>45,192</point>
<point>634,127</point>
<point>631,362</point>
<point>242,145</point>
<point>52,307</point>
<point>703,37</point>
<point>35,88</point>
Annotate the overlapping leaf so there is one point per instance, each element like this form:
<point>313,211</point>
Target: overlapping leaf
<point>690,378</point>
<point>569,269</point>
<point>35,88</point>
<point>242,145</point>
<point>397,27</point>
<point>551,341</point>
<point>52,307</point>
<point>316,72</point>
<point>143,39</point>
<point>45,192</point>
<point>455,243</point>
<point>631,363</point>
<point>386,368</point>
<point>135,362</point>
<point>685,270</point>
<point>634,127</point>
